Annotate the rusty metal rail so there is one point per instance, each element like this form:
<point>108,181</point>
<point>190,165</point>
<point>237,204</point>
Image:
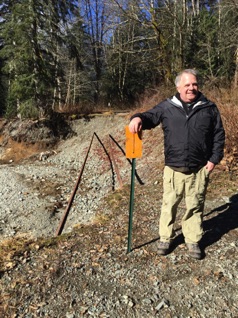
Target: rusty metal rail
<point>64,218</point>
<point>112,162</point>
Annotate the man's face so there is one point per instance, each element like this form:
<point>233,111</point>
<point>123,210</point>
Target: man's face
<point>188,87</point>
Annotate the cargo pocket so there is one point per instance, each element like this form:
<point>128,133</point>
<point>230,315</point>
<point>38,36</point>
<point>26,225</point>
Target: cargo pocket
<point>168,179</point>
<point>202,181</point>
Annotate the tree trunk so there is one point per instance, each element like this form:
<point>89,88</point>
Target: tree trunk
<point>236,70</point>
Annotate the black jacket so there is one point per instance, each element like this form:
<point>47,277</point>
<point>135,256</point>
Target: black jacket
<point>189,140</point>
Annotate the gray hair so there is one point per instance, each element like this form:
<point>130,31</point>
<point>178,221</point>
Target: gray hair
<point>187,71</point>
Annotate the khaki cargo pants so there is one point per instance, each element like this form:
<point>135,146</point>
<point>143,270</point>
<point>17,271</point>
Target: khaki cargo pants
<point>192,187</point>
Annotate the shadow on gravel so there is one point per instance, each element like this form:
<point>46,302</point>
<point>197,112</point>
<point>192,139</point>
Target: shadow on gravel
<point>222,223</point>
<point>145,244</point>
<point>225,220</point>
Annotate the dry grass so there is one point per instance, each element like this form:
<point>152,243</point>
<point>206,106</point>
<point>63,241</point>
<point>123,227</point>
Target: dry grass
<point>153,97</point>
<point>230,120</point>
<point>226,101</point>
<point>12,247</point>
<point>16,151</point>
<point>16,249</point>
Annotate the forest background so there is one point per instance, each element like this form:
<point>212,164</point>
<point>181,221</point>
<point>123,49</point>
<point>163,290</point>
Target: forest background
<point>57,55</point>
<point>80,56</point>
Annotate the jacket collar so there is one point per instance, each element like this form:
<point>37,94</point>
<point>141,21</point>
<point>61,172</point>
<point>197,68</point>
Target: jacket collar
<point>200,100</point>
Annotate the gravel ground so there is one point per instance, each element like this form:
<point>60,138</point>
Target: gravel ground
<point>35,193</point>
<point>87,272</point>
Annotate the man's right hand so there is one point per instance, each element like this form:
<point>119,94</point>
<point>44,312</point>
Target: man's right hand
<point>135,125</point>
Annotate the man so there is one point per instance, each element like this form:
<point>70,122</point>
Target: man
<point>193,144</point>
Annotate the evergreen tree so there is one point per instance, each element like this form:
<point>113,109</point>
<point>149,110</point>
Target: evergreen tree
<point>228,39</point>
<point>66,53</point>
<point>77,66</point>
<point>202,44</point>
<point>32,34</point>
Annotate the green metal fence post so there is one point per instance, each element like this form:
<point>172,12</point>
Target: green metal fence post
<point>131,205</point>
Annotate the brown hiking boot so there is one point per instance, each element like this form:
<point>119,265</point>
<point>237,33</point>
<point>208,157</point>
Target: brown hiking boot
<point>163,248</point>
<point>194,250</point>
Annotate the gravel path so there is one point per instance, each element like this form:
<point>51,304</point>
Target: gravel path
<point>35,194</point>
